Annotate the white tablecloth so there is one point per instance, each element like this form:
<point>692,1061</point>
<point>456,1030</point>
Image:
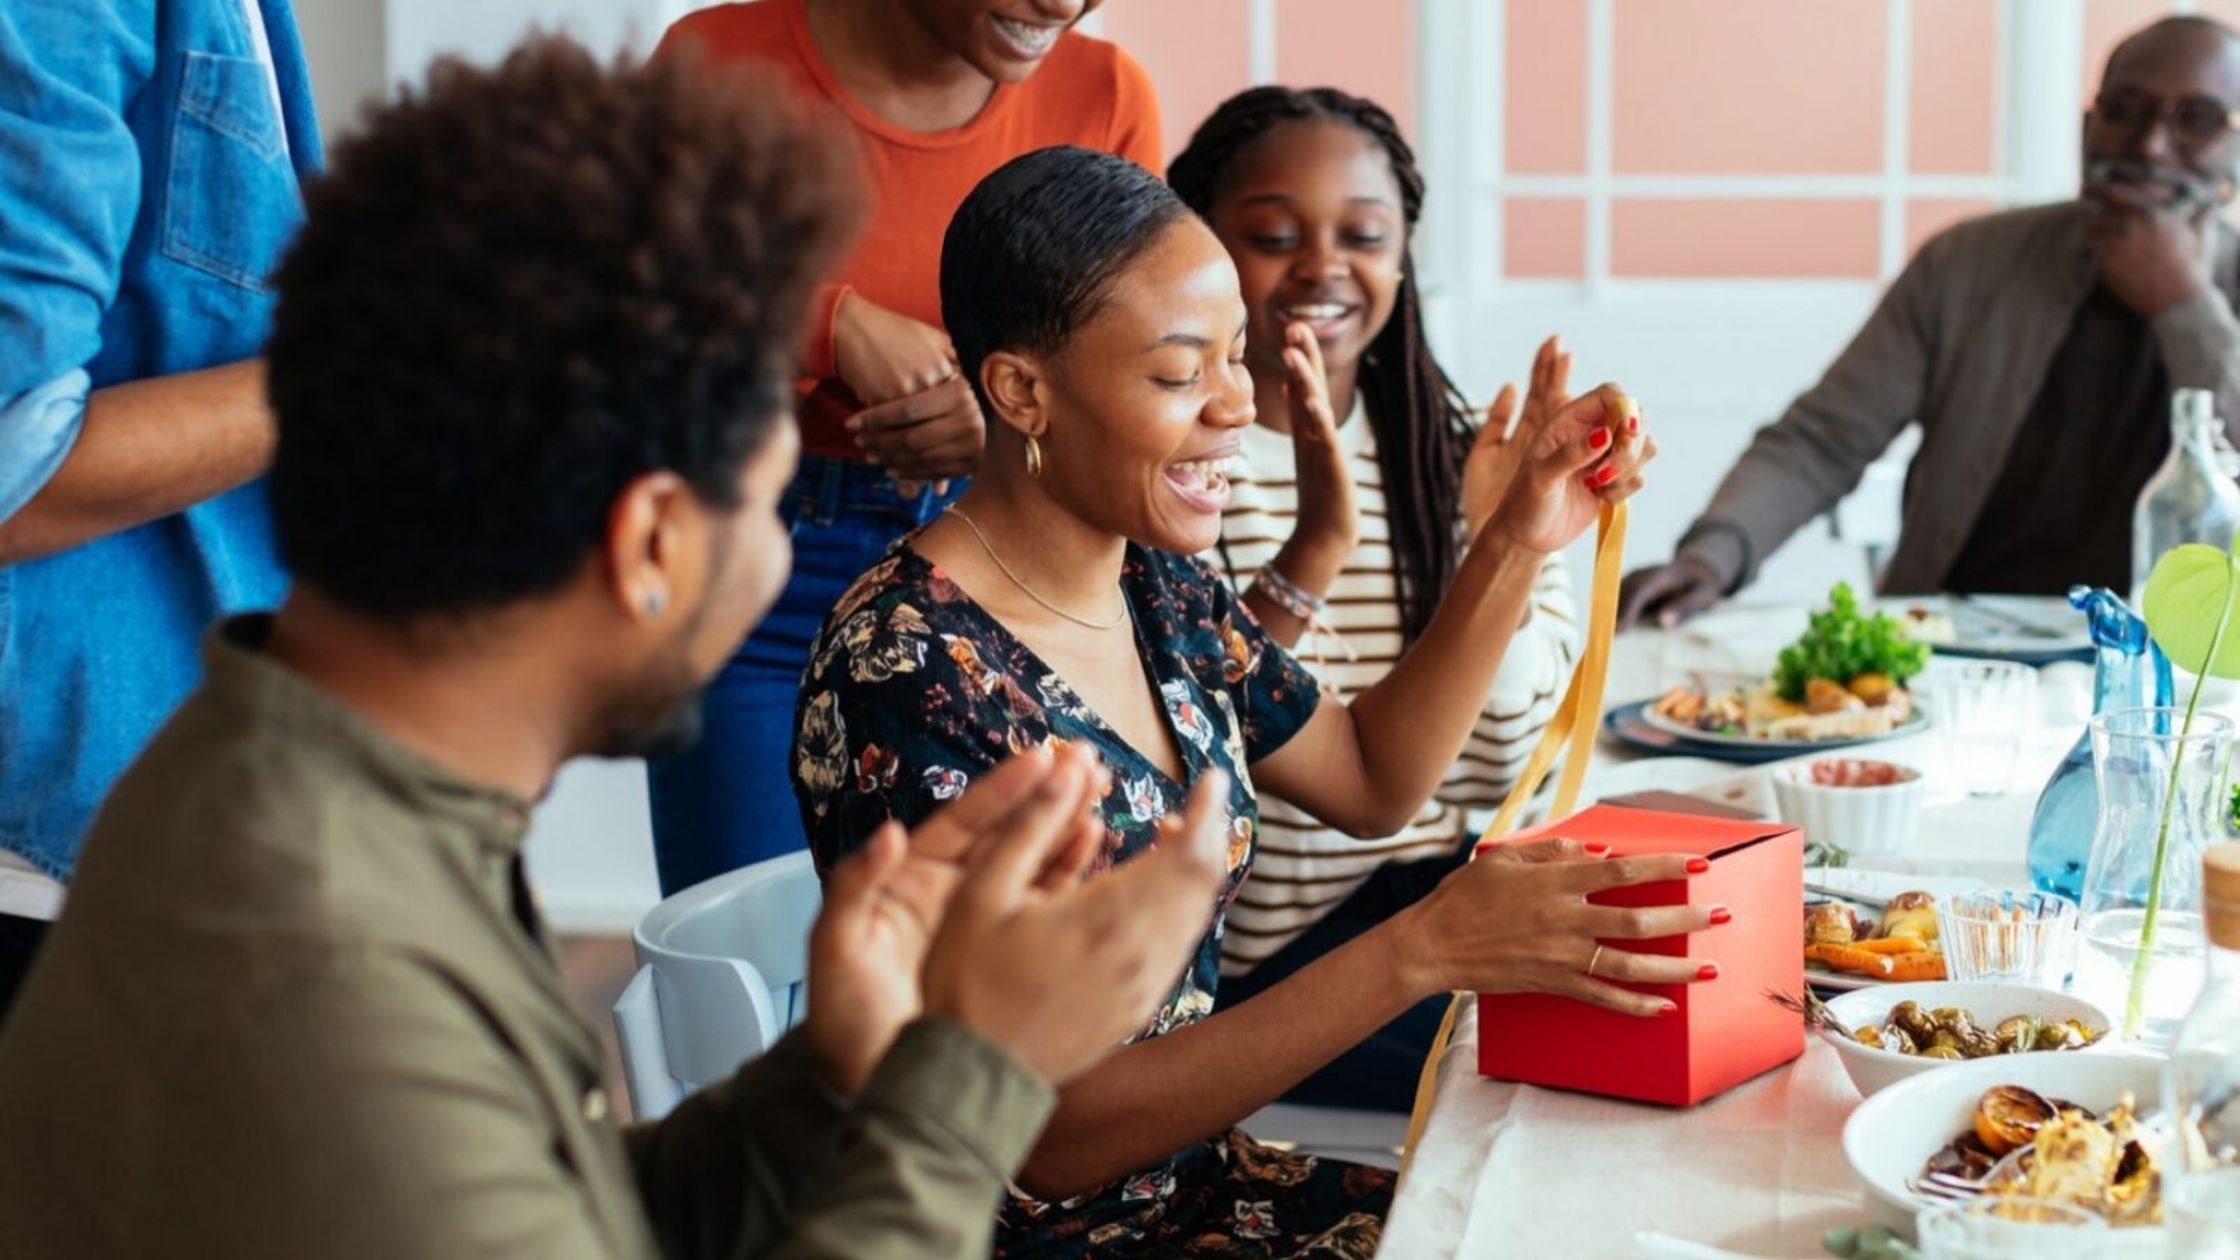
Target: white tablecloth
<point>1507,1170</point>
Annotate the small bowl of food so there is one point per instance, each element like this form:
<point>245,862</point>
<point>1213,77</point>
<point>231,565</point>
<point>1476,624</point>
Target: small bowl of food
<point>2074,1128</point>
<point>1857,804</point>
<point>1889,1032</point>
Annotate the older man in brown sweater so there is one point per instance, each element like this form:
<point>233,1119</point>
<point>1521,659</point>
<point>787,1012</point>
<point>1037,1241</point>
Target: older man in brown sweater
<point>2037,349</point>
<point>530,373</point>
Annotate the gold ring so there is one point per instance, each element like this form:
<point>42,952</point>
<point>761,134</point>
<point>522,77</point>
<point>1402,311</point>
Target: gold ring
<point>1597,958</point>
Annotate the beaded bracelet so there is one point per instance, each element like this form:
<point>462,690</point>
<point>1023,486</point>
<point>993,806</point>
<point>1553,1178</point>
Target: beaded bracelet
<point>1287,594</point>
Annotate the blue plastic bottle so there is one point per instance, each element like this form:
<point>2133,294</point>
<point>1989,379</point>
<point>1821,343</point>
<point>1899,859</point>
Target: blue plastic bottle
<point>2128,670</point>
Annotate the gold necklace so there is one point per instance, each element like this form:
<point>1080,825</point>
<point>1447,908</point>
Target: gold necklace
<point>988,547</point>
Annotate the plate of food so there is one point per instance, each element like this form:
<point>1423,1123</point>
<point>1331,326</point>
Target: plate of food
<point>2075,1128</point>
<point>1854,944</point>
<point>2032,629</point>
<point>1843,682</point>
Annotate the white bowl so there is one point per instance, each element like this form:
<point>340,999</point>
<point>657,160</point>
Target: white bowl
<point>1894,1133</point>
<point>1857,819</point>
<point>1990,1001</point>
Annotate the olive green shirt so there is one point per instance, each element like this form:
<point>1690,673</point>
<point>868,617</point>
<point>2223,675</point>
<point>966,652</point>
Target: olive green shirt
<point>300,1004</point>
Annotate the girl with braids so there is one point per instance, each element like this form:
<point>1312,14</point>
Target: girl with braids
<point>1102,328</point>
<point>1348,507</point>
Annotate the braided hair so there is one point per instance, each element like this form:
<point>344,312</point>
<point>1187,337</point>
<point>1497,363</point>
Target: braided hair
<point>1421,421</point>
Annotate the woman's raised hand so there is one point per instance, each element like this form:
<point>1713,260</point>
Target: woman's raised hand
<point>1492,463</point>
<point>1581,455</point>
<point>1517,920</point>
<point>1327,513</point>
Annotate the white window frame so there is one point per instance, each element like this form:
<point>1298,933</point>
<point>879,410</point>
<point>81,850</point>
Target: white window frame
<point>1461,82</point>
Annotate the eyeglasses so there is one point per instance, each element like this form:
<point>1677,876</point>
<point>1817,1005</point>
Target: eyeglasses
<point>2194,120</point>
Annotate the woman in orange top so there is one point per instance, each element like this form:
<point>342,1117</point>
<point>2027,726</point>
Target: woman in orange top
<point>939,93</point>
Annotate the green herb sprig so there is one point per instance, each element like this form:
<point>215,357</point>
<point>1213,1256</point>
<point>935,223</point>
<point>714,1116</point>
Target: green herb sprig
<point>1839,644</point>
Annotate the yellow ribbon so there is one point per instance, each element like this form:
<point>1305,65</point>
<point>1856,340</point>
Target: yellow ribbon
<point>1573,724</point>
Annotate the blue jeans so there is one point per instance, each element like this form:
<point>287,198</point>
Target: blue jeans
<point>1379,1074</point>
<point>728,801</point>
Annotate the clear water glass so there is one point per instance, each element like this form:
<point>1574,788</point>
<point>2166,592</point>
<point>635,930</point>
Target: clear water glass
<point>2010,1227</point>
<point>1982,710</point>
<point>2003,934</point>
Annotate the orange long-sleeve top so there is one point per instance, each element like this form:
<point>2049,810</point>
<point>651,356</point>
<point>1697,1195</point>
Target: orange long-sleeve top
<point>1086,92</point>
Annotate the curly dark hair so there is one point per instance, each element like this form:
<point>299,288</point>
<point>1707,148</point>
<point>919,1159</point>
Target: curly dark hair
<point>1030,254</point>
<point>1422,422</point>
<point>524,287</point>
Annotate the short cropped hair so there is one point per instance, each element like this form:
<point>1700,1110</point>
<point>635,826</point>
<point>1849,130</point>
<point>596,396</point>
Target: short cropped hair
<point>1034,248</point>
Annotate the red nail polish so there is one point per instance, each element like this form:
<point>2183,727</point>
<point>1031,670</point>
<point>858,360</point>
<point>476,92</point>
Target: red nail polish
<point>1599,439</point>
<point>1633,424</point>
<point>1697,866</point>
<point>1720,914</point>
<point>1708,971</point>
<point>1606,476</point>
<point>1597,848</point>
<point>1668,1010</point>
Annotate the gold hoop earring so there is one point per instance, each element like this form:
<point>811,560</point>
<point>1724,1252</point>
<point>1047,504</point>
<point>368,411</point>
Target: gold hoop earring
<point>1034,457</point>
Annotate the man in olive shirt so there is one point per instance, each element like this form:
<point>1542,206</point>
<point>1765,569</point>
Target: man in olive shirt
<point>2037,349</point>
<point>530,370</point>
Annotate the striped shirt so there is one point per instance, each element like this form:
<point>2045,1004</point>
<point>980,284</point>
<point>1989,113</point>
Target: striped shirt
<point>1303,869</point>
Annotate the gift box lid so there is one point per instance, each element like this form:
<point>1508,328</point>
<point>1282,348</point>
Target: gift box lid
<point>1636,832</point>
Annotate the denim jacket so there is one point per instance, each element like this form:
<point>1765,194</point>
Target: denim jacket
<point>146,190</point>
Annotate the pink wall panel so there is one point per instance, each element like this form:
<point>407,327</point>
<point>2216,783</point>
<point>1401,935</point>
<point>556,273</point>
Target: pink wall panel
<point>1366,49</point>
<point>1673,237</point>
<point>1955,61</point>
<point>1748,86</point>
<point>1544,237</point>
<point>1197,53</point>
<point>1927,216</point>
<point>1545,63</point>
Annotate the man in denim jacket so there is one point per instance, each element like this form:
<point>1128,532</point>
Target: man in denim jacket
<point>149,158</point>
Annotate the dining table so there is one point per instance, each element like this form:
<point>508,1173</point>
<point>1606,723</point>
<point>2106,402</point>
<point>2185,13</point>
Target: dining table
<point>1509,1170</point>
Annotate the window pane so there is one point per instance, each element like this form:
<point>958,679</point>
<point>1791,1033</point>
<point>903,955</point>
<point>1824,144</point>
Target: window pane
<point>1670,237</point>
<point>1955,56</point>
<point>1196,53</point>
<point>1545,64</point>
<point>1544,237</point>
<point>1725,87</point>
<point>1368,50</point>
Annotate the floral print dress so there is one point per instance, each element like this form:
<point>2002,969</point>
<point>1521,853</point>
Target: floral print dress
<point>913,690</point>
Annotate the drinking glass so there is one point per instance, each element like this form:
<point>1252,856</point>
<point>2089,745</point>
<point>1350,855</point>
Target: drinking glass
<point>1982,709</point>
<point>2010,1227</point>
<point>2002,934</point>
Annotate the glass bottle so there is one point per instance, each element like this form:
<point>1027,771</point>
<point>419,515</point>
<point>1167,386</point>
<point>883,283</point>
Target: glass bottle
<point>2190,498</point>
<point>2128,672</point>
<point>2201,1091</point>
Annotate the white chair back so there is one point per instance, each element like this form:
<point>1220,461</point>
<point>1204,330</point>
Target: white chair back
<point>721,973</point>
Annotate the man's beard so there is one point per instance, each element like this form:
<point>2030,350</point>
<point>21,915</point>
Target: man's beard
<point>2183,190</point>
<point>670,733</point>
<point>661,719</point>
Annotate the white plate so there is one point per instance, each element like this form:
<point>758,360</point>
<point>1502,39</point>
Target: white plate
<point>1870,891</point>
<point>2028,628</point>
<point>1893,1133</point>
<point>1915,723</point>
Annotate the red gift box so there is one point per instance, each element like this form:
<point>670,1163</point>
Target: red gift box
<point>1726,1030</point>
